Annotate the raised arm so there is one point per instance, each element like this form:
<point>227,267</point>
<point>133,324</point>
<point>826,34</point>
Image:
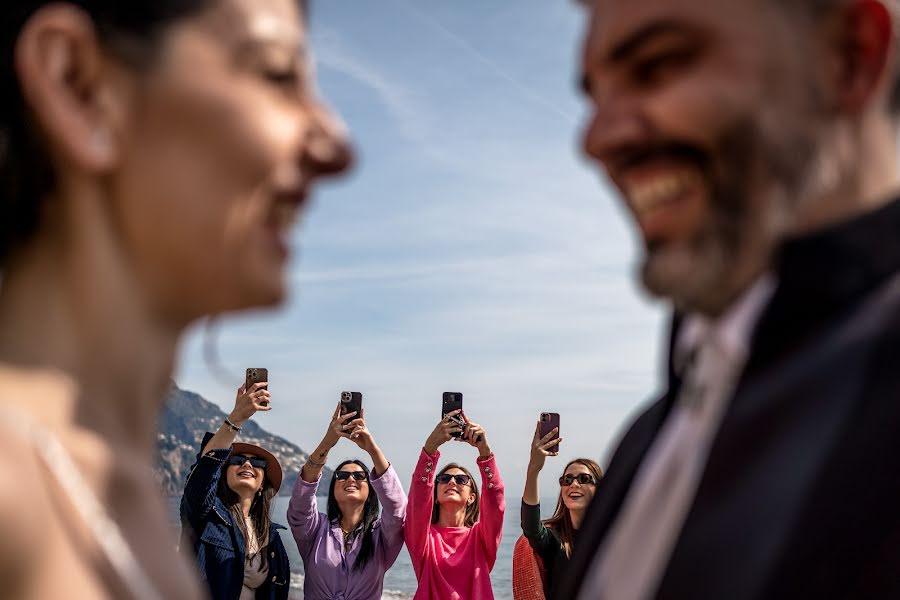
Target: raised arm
<point>303,514</point>
<point>199,494</point>
<point>493,499</point>
<point>200,488</point>
<point>419,507</point>
<point>538,537</point>
<point>387,486</point>
<point>337,428</point>
<point>246,404</point>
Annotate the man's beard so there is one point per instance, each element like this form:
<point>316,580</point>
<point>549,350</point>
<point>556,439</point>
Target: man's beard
<point>756,180</point>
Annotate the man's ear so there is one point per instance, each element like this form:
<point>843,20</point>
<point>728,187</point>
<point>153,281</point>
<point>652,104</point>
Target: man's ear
<point>67,85</point>
<point>863,30</point>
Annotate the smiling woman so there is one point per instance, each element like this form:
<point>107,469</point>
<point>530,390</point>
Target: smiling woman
<point>553,540</point>
<point>452,531</point>
<point>347,551</point>
<point>226,510</point>
<point>153,155</point>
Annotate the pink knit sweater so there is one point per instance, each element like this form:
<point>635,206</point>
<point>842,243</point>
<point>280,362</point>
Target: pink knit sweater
<point>453,563</point>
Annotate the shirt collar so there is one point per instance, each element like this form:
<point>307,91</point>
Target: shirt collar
<point>730,332</point>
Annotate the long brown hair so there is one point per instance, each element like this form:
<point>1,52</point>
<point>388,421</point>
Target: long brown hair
<point>472,509</point>
<point>260,512</point>
<point>561,520</point>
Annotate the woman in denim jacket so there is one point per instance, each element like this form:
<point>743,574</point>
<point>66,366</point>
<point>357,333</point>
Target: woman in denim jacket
<point>226,511</point>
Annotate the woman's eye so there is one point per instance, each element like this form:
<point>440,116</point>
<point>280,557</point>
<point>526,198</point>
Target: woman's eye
<point>282,77</point>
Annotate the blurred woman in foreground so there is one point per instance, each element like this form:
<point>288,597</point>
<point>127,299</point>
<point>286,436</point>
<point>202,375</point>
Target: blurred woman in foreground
<point>153,156</point>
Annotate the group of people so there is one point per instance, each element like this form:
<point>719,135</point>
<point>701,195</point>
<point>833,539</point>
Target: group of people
<point>452,529</point>
<point>154,154</point>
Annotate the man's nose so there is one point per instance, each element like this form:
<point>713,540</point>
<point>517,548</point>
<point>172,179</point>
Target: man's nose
<point>615,123</point>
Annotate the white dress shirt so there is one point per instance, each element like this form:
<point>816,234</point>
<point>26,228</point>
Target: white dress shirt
<point>711,355</point>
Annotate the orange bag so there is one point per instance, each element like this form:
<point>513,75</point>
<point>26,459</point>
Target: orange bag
<point>528,575</point>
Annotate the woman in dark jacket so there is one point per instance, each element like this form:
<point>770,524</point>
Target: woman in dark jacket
<point>226,511</point>
<point>553,539</point>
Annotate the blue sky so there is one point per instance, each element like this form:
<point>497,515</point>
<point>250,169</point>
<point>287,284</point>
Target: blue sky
<point>473,249</point>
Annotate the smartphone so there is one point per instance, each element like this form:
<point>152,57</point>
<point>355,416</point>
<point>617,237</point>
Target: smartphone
<point>453,401</point>
<point>256,375</point>
<point>549,421</point>
<point>351,402</point>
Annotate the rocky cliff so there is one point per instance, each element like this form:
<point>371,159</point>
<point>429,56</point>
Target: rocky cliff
<point>187,416</point>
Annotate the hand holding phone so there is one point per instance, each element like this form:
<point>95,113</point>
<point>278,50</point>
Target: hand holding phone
<point>351,402</point>
<point>452,402</point>
<point>448,428</point>
<point>548,422</point>
<point>544,443</point>
<point>257,375</point>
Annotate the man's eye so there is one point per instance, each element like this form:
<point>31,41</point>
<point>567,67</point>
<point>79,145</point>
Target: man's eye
<point>655,69</point>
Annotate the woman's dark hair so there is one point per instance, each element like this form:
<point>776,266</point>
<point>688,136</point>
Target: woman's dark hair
<point>561,521</point>
<point>472,510</point>
<point>371,512</point>
<point>129,29</point>
<point>260,512</point>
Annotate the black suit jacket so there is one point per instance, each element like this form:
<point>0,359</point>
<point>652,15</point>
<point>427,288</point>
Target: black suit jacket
<point>800,497</point>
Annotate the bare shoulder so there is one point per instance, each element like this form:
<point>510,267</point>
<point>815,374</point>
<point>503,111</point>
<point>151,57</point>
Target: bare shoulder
<point>24,506</point>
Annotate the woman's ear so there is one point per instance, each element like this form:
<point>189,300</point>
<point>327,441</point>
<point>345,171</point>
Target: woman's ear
<point>73,91</point>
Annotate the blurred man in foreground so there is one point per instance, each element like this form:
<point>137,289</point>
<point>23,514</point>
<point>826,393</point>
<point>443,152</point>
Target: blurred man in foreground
<point>754,143</point>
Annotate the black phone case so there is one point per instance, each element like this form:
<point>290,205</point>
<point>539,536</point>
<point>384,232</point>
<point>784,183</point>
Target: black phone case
<point>351,402</point>
<point>453,401</point>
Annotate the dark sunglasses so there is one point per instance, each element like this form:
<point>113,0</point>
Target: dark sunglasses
<point>582,478</point>
<point>344,475</point>
<point>459,478</point>
<point>236,459</point>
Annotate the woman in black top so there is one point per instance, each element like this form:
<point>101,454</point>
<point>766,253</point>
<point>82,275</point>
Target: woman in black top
<point>552,539</point>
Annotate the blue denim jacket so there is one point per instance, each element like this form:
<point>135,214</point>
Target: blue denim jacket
<point>209,530</point>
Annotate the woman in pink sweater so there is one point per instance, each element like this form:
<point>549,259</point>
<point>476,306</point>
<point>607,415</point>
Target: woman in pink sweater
<point>452,550</point>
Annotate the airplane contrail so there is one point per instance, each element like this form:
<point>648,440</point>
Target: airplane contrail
<point>459,41</point>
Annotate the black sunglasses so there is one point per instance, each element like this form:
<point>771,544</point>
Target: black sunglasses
<point>582,478</point>
<point>459,478</point>
<point>344,475</point>
<point>237,459</point>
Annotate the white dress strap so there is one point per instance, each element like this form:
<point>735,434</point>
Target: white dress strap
<point>105,532</point>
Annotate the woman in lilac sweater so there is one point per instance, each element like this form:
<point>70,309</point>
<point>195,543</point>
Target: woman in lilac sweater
<point>347,551</point>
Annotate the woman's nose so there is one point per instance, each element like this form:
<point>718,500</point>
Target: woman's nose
<point>327,150</point>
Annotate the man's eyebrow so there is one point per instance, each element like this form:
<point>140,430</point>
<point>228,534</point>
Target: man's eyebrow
<point>629,46</point>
